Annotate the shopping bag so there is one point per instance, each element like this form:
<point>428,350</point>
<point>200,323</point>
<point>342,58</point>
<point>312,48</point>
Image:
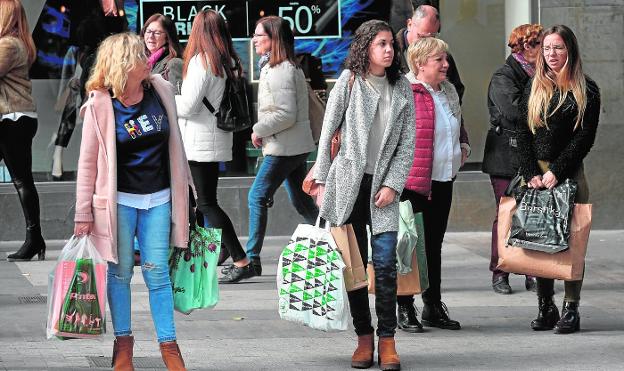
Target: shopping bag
<point>354,272</point>
<point>541,221</point>
<point>417,280</point>
<point>566,265</point>
<point>77,292</point>
<point>406,237</point>
<point>193,271</point>
<point>310,280</point>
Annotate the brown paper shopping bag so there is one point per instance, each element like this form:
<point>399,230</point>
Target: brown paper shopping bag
<point>407,284</point>
<point>566,265</point>
<point>354,272</point>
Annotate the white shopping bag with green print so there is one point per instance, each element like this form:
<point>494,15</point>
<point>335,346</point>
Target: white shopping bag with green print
<point>310,280</point>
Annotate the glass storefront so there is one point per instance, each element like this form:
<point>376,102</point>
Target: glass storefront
<point>476,31</point>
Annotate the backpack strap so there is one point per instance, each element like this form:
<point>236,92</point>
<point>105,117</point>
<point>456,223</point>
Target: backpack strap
<point>208,105</point>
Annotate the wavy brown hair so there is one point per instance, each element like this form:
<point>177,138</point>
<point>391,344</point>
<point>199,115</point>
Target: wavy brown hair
<point>546,81</point>
<point>13,22</point>
<point>358,60</point>
<point>173,44</point>
<point>211,39</point>
<point>282,40</point>
<point>524,34</point>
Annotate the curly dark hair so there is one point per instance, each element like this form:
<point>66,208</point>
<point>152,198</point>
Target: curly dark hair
<point>358,61</point>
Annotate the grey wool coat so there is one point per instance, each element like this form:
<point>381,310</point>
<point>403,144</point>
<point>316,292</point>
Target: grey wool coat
<point>343,176</point>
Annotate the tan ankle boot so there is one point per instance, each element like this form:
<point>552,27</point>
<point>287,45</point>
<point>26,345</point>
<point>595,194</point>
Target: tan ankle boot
<point>388,358</point>
<point>363,355</point>
<point>122,353</point>
<point>171,356</point>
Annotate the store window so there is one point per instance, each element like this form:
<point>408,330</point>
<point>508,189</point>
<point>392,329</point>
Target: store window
<point>475,30</point>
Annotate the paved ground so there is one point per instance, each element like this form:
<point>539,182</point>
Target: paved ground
<point>244,331</point>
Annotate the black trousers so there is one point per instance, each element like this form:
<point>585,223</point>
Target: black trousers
<point>16,151</point>
<point>206,179</point>
<point>435,217</point>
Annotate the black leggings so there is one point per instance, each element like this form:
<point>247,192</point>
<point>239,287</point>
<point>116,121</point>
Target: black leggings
<point>16,151</point>
<point>206,179</point>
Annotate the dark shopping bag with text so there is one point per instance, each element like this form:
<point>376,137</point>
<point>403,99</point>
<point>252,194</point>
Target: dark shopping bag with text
<point>541,221</point>
<point>77,292</point>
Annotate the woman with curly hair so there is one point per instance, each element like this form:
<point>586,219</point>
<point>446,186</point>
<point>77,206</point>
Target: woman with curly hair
<point>373,107</point>
<point>500,157</point>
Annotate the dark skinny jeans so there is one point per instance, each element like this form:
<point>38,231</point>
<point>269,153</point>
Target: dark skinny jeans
<point>206,179</point>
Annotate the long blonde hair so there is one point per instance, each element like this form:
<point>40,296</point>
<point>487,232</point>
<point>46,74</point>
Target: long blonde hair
<point>116,55</point>
<point>13,22</point>
<point>546,81</point>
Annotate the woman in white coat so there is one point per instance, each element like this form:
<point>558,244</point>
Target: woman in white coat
<point>206,145</point>
<point>283,130</point>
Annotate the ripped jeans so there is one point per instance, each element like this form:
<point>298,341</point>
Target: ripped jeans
<point>151,228</point>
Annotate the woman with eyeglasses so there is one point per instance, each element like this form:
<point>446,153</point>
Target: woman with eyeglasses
<point>205,72</point>
<point>561,106</point>
<point>133,182</point>
<point>163,47</point>
<point>283,131</point>
<point>500,157</point>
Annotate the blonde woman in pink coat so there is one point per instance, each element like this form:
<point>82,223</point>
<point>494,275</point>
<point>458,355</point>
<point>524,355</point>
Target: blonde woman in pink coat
<point>133,180</point>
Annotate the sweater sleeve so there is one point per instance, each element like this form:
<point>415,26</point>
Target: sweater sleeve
<point>337,104</point>
<point>282,113</point>
<point>9,55</point>
<point>400,164</point>
<point>527,161</point>
<point>582,141</point>
<point>87,166</point>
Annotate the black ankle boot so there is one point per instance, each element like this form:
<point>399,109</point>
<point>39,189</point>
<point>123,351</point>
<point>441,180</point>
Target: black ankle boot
<point>34,245</point>
<point>408,319</point>
<point>570,319</point>
<point>437,315</point>
<point>547,316</point>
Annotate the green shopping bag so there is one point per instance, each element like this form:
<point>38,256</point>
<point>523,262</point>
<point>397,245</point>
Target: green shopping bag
<point>421,254</point>
<point>194,271</point>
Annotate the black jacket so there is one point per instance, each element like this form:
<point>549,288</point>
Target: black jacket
<point>559,144</point>
<point>500,156</point>
<point>452,75</point>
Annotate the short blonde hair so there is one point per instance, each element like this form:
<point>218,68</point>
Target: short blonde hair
<point>423,48</point>
<point>116,55</point>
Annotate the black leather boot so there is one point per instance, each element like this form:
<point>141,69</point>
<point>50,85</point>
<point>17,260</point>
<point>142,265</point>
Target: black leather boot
<point>547,316</point>
<point>437,315</point>
<point>530,283</point>
<point>570,319</point>
<point>408,319</point>
<point>500,285</point>
<point>34,245</point>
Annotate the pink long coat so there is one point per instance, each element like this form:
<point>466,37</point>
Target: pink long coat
<point>96,183</point>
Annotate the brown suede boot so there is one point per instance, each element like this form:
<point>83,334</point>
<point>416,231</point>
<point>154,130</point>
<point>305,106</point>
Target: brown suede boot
<point>388,358</point>
<point>363,355</point>
<point>171,356</point>
<point>122,353</point>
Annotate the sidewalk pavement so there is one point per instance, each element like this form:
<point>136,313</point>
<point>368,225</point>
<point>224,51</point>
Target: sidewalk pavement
<point>244,331</point>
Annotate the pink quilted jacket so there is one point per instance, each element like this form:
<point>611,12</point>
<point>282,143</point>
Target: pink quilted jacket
<point>419,177</point>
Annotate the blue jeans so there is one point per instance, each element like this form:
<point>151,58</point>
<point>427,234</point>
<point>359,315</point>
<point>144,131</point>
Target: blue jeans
<point>383,246</point>
<point>152,231</point>
<point>274,171</point>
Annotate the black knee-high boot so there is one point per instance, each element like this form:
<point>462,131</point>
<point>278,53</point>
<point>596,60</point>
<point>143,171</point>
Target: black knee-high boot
<point>34,243</point>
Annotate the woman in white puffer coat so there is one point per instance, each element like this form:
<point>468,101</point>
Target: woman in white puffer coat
<point>283,131</point>
<point>206,145</point>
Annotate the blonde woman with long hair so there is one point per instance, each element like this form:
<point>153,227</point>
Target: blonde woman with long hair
<point>19,120</point>
<point>562,107</point>
<point>133,181</point>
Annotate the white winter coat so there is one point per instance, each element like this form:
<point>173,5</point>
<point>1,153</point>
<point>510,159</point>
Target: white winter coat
<point>283,122</point>
<point>203,141</point>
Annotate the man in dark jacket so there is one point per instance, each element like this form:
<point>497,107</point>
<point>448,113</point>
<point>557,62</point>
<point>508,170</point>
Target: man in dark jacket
<point>425,22</point>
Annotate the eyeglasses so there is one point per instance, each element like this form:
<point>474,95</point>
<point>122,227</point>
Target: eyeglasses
<point>155,33</point>
<point>259,35</point>
<point>558,49</point>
